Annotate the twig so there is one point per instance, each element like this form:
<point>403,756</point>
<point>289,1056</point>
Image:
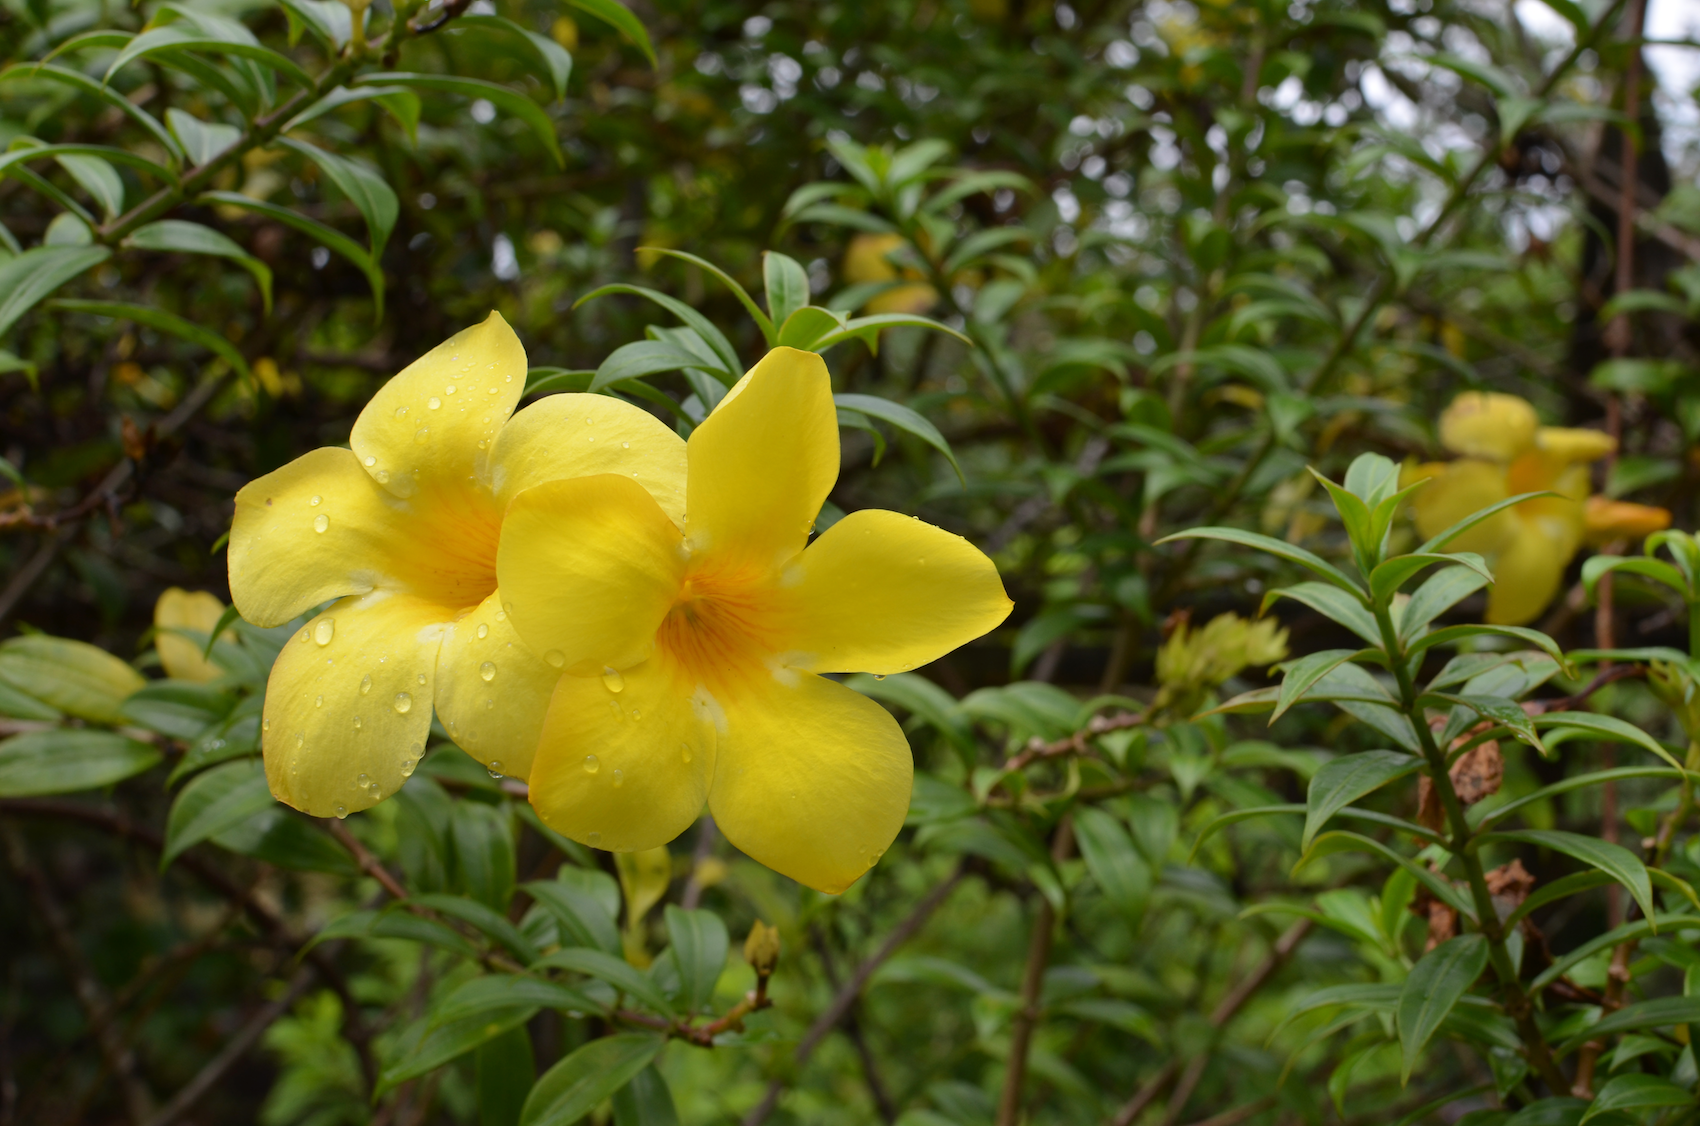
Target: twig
<point>1037,748</point>
<point>853,1029</point>
<point>1225,1011</point>
<point>846,996</point>
<point>1032,989</point>
<point>368,863</point>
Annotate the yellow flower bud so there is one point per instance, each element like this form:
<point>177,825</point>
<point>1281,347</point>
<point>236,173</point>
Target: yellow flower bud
<point>761,949</point>
<point>1489,425</point>
<point>865,261</point>
<point>179,609</point>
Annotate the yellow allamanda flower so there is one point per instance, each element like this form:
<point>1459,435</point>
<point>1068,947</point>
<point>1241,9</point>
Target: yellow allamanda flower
<point>402,529</point>
<point>865,261</point>
<point>179,609</point>
<point>694,647</point>
<point>1504,451</point>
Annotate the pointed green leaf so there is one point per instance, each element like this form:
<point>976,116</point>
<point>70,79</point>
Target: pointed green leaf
<point>181,236</point>
<point>165,322</point>
<point>572,1088</point>
<point>1606,727</point>
<point>705,328</point>
<point>32,275</point>
<point>64,760</point>
<point>497,992</point>
<point>1453,634</point>
<point>904,419</point>
<point>507,100</point>
<point>1638,1092</point>
<point>1661,1012</point>
<point>787,286</point>
<point>1658,570</point>
<point>1332,603</point>
<point>698,946</point>
<point>1386,580</point>
<point>1614,860</point>
<point>213,801</point>
<point>312,228</point>
<point>1300,676</point>
<point>553,56</point>
<point>375,200</point>
<point>615,971</point>
<point>1344,780</point>
<point>1278,548</point>
<point>622,20</point>
<point>1115,864</point>
<point>1439,593</point>
<point>1434,986</point>
<point>1473,519</point>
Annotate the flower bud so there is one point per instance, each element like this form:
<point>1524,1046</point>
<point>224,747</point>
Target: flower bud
<point>761,949</point>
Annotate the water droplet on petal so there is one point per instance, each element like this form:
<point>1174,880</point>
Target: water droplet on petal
<point>366,684</point>
<point>614,706</point>
<point>319,701</point>
<point>265,725</point>
<point>685,751</point>
<point>489,704</point>
<point>449,390</point>
<point>324,631</point>
<point>612,680</point>
<point>433,402</point>
<point>636,714</point>
<point>619,779</point>
<point>487,671</point>
<point>321,522</point>
<point>407,768</point>
<point>421,678</point>
<point>370,462</point>
<point>591,765</point>
<point>341,811</point>
<point>357,723</point>
<point>400,412</point>
<point>501,615</point>
<point>594,839</point>
<point>556,658</point>
<point>495,768</point>
<point>403,703</point>
<point>364,781</point>
<point>316,501</point>
<point>420,434</point>
<point>383,476</point>
<point>300,739</point>
<point>625,445</point>
<point>879,676</point>
<point>483,631</point>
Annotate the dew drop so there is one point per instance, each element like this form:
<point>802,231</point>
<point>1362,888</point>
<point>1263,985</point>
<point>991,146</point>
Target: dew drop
<point>321,522</point>
<point>556,658</point>
<point>591,764</point>
<point>407,768</point>
<point>420,434</point>
<point>304,635</point>
<point>403,703</point>
<point>501,615</point>
<point>383,476</point>
<point>341,811</point>
<point>265,726</point>
<point>591,438</point>
<point>319,701</point>
<point>879,676</point>
<point>400,412</point>
<point>487,671</point>
<point>494,390</point>
<point>483,631</point>
<point>449,390</point>
<point>316,501</point>
<point>619,779</point>
<point>685,751</point>
<point>376,793</point>
<point>421,678</point>
<point>614,706</point>
<point>370,462</point>
<point>636,714</point>
<point>300,739</point>
<point>489,704</point>
<point>433,402</point>
<point>364,781</point>
<point>482,443</point>
<point>594,839</point>
<point>357,723</point>
<point>612,680</point>
<point>625,445</point>
<point>366,684</point>
<point>495,768</point>
<point>324,631</point>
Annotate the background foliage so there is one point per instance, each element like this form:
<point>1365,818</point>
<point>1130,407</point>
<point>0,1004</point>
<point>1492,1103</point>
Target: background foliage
<point>1182,251</point>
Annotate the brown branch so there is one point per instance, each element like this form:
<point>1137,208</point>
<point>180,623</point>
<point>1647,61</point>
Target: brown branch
<point>1032,988</point>
<point>853,1029</point>
<point>368,863</point>
<point>1075,743</point>
<point>840,1005</point>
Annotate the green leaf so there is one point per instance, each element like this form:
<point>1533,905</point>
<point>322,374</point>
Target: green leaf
<point>1115,864</point>
<point>763,321</point>
<point>77,678</point>
<point>904,419</point>
<point>705,328</point>
<point>1275,547</point>
<point>489,993</point>
<point>18,704</point>
<point>400,102</point>
<point>505,1069</point>
<point>99,179</point>
<point>97,89</point>
<point>395,923</point>
<point>1354,514</point>
<point>699,945</point>
<point>1332,603</point>
<point>1628,932</point>
<point>1638,1092</point>
<point>474,913</point>
<point>1434,986</point>
<point>312,228</point>
<point>641,358</point>
<point>1473,519</point>
<point>483,848</point>
<point>175,38</point>
<point>1386,580</point>
<point>787,287</point>
<point>28,277</point>
<point>1614,860</point>
<point>572,1088</point>
<point>200,141</point>
<point>177,708</point>
<point>440,1043</point>
<point>1344,780</point>
<point>1576,782</point>
<point>375,200</point>
<point>615,971</point>
<point>621,18</point>
<point>1372,478</point>
<point>1339,840</point>
<point>1451,635</point>
<point>808,324</point>
<point>867,328</point>
<point>583,919</point>
<point>1658,570</point>
<point>1300,676</point>
<point>217,799</point>
<point>193,238</point>
<point>1439,593</point>
<point>554,57</point>
<point>64,760</point>
<point>165,322</point>
<point>330,20</point>
<point>511,102</point>
<point>1606,727</point>
<point>282,838</point>
<point>921,698</point>
<point>645,1101</point>
<point>1661,1012</point>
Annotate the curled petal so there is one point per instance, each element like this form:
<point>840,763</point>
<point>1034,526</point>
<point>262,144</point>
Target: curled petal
<point>179,609</point>
<point>1609,520</point>
<point>1460,489</point>
<point>1570,445</point>
<point>882,592</point>
<point>624,760</point>
<point>1526,578</point>
<point>1488,425</point>
<point>348,705</point>
<point>431,427</point>
<point>588,568</point>
<point>813,779</point>
<point>492,690</point>
<point>582,435</point>
<point>762,464</point>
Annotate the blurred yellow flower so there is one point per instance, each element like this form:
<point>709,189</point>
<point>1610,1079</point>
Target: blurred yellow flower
<point>695,644</point>
<point>1609,520</point>
<point>179,609</point>
<point>866,261</point>
<point>402,529</point>
<point>1505,451</point>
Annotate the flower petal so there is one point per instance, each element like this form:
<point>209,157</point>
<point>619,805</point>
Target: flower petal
<point>580,435</point>
<point>626,769</point>
<point>432,426</point>
<point>492,690</point>
<point>882,592</point>
<point>179,609</point>
<point>1526,577</point>
<point>1489,425</point>
<point>762,464</point>
<point>1573,444</point>
<point>1464,487</point>
<point>587,569</point>
<point>1609,520</point>
<point>316,529</point>
<point>813,780</point>
<point>348,705</point>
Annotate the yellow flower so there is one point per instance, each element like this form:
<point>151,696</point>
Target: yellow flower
<point>179,609</point>
<point>1609,520</point>
<point>865,261</point>
<point>402,531</point>
<point>1505,452</point>
<point>694,646</point>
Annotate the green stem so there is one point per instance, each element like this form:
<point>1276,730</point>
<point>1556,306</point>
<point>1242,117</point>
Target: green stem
<point>1487,918</point>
